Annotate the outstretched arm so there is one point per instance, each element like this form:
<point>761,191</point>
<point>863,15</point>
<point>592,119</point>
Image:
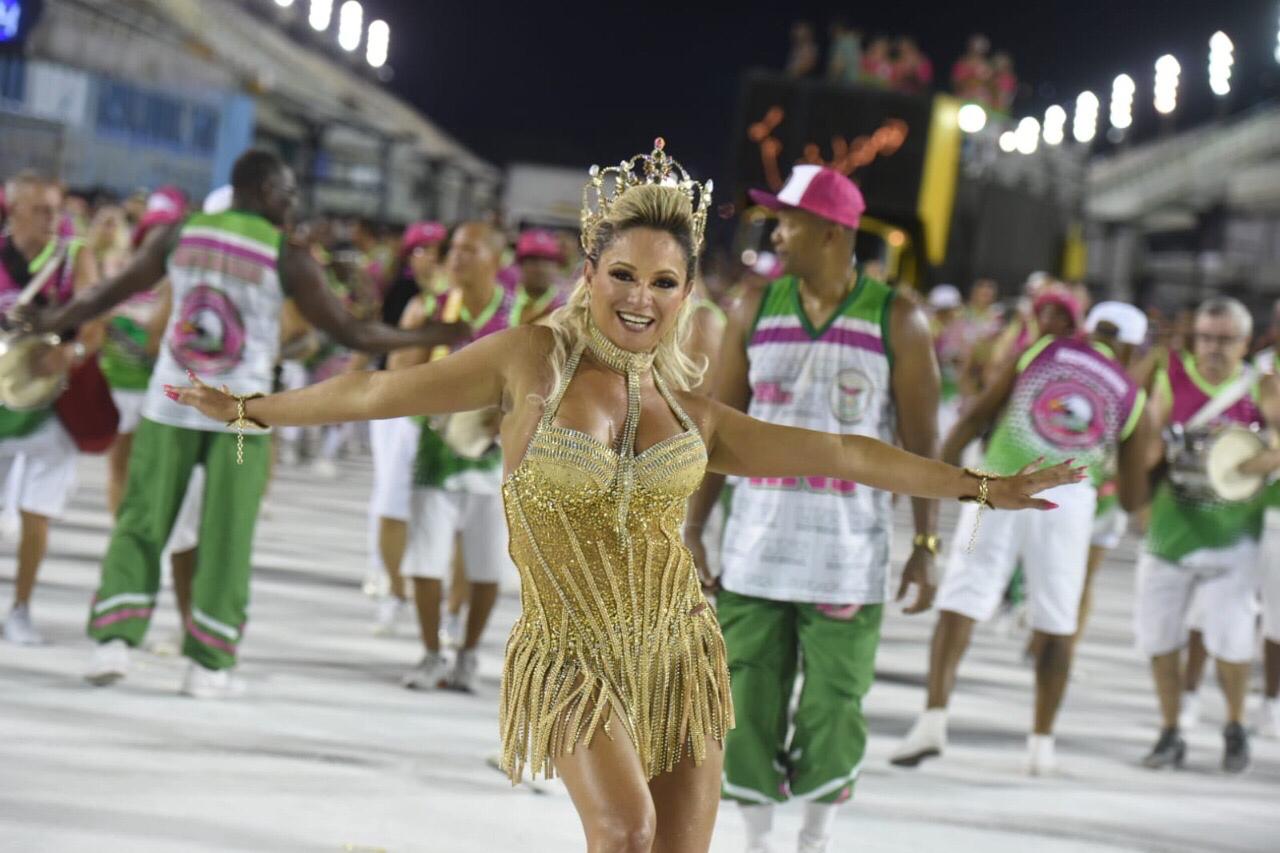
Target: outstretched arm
<point>304,280</point>
<point>745,447</point>
<point>475,377</point>
<point>143,272</point>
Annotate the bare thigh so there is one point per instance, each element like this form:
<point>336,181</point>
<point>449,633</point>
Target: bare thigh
<point>686,800</point>
<point>607,784</point>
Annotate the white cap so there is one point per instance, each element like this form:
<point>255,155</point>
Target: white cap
<point>1128,319</point>
<point>218,200</point>
<point>945,296</point>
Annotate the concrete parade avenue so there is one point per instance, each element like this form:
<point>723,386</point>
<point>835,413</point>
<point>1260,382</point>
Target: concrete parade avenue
<point>326,752</point>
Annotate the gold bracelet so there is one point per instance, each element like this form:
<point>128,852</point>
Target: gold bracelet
<point>982,500</point>
<point>928,541</point>
<point>240,420</point>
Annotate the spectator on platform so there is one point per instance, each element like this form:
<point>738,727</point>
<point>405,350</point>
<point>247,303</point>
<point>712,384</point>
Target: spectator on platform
<point>971,75</point>
<point>877,64</point>
<point>803,59</point>
<point>844,58</point>
<point>912,70</point>
<point>1004,83</point>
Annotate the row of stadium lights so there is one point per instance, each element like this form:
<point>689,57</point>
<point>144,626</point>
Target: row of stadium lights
<point>377,38</point>
<point>1025,138</point>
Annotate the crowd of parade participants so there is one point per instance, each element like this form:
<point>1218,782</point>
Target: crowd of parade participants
<point>161,292</point>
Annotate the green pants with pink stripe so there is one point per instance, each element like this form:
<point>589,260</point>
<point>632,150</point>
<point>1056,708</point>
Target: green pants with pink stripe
<point>160,467</point>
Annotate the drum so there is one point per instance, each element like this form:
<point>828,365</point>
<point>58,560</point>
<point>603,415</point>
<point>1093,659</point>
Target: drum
<point>1204,465</point>
<point>20,388</point>
<point>468,434</point>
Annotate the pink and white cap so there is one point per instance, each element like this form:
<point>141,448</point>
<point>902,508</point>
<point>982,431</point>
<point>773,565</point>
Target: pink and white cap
<point>1130,322</point>
<point>819,190</point>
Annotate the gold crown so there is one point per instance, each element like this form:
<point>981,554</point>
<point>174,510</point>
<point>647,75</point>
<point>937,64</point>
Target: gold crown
<point>657,168</point>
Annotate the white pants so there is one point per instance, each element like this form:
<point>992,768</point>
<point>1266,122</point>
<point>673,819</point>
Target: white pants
<point>1226,604</point>
<point>44,468</point>
<point>1269,571</point>
<point>395,446</point>
<point>1109,528</point>
<point>1053,547</point>
<point>129,405</point>
<point>438,516</point>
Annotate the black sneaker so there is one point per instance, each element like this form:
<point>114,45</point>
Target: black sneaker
<point>1235,750</point>
<point>1170,749</point>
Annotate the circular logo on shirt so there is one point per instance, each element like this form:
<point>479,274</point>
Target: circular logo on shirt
<point>1067,414</point>
<point>209,335</point>
<point>850,395</point>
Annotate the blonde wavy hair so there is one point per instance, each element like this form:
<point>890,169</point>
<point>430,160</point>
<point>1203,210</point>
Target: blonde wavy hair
<point>653,206</point>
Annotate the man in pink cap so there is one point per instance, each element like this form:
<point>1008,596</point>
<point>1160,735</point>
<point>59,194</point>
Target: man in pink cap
<point>1065,397</point>
<point>805,563</point>
<point>538,293</point>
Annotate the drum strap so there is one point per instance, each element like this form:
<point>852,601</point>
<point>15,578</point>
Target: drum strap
<point>1222,401</point>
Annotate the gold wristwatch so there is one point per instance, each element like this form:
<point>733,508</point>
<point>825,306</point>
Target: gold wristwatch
<point>928,541</point>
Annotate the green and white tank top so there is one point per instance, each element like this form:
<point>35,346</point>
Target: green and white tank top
<point>225,320</point>
<point>816,539</point>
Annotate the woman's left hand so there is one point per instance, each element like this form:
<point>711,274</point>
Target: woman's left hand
<point>214,403</point>
<point>1017,492</point>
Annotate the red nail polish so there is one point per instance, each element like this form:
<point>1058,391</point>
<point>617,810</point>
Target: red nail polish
<point>172,395</point>
<point>1052,505</point>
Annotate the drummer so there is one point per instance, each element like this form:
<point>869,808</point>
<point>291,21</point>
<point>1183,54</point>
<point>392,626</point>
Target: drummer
<point>36,440</point>
<point>456,497</point>
<point>1064,398</point>
<point>1206,545</point>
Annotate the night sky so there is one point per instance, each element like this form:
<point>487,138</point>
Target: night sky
<point>574,84</point>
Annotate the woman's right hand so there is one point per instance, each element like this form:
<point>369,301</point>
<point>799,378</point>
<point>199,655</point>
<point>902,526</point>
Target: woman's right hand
<point>214,403</point>
<point>1017,492</point>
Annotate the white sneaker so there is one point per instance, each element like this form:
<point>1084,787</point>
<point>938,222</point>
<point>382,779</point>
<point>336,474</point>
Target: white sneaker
<point>18,628</point>
<point>109,664</point>
<point>429,674</point>
<point>201,683</point>
<point>927,739</point>
<point>809,844</point>
<point>390,610</point>
<point>465,667</point>
<point>1269,724</point>
<point>166,645</point>
<point>453,630</point>
<point>1041,760</point>
<point>1189,716</point>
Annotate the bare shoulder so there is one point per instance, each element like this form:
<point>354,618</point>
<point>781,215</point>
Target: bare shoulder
<point>525,352</point>
<point>906,313</point>
<point>700,408</point>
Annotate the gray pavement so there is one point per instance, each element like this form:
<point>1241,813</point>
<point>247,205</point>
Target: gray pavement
<point>328,753</point>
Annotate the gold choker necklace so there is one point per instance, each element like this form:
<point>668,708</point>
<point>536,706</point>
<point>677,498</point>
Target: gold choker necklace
<point>613,356</point>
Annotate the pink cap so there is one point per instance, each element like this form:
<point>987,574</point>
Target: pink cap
<point>537,243</point>
<point>165,206</point>
<point>1063,299</point>
<point>422,234</point>
<point>821,191</point>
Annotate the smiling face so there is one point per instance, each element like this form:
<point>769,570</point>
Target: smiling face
<point>638,287</point>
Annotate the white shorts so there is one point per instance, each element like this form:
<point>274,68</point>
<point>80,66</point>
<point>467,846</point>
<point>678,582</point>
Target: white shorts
<point>1109,528</point>
<point>1269,570</point>
<point>438,516</point>
<point>1227,607</point>
<point>395,446</point>
<point>186,527</point>
<point>129,405</point>
<point>1053,547</point>
<point>44,466</point>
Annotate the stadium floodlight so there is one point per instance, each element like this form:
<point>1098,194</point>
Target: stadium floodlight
<point>1278,43</point>
<point>350,19</point>
<point>1027,135</point>
<point>1055,123</point>
<point>1008,142</point>
<point>320,14</point>
<point>1221,58</point>
<point>1166,85</point>
<point>971,118</point>
<point>376,43</point>
<point>1085,125</point>
<point>284,4</point>
<point>1122,91</point>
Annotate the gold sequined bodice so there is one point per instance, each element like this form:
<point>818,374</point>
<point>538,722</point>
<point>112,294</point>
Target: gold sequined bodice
<point>613,618</point>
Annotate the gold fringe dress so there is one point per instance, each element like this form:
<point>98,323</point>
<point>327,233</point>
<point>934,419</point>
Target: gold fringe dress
<point>614,627</point>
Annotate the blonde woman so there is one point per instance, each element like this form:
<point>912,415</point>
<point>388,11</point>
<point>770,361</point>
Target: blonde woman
<point>615,675</point>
